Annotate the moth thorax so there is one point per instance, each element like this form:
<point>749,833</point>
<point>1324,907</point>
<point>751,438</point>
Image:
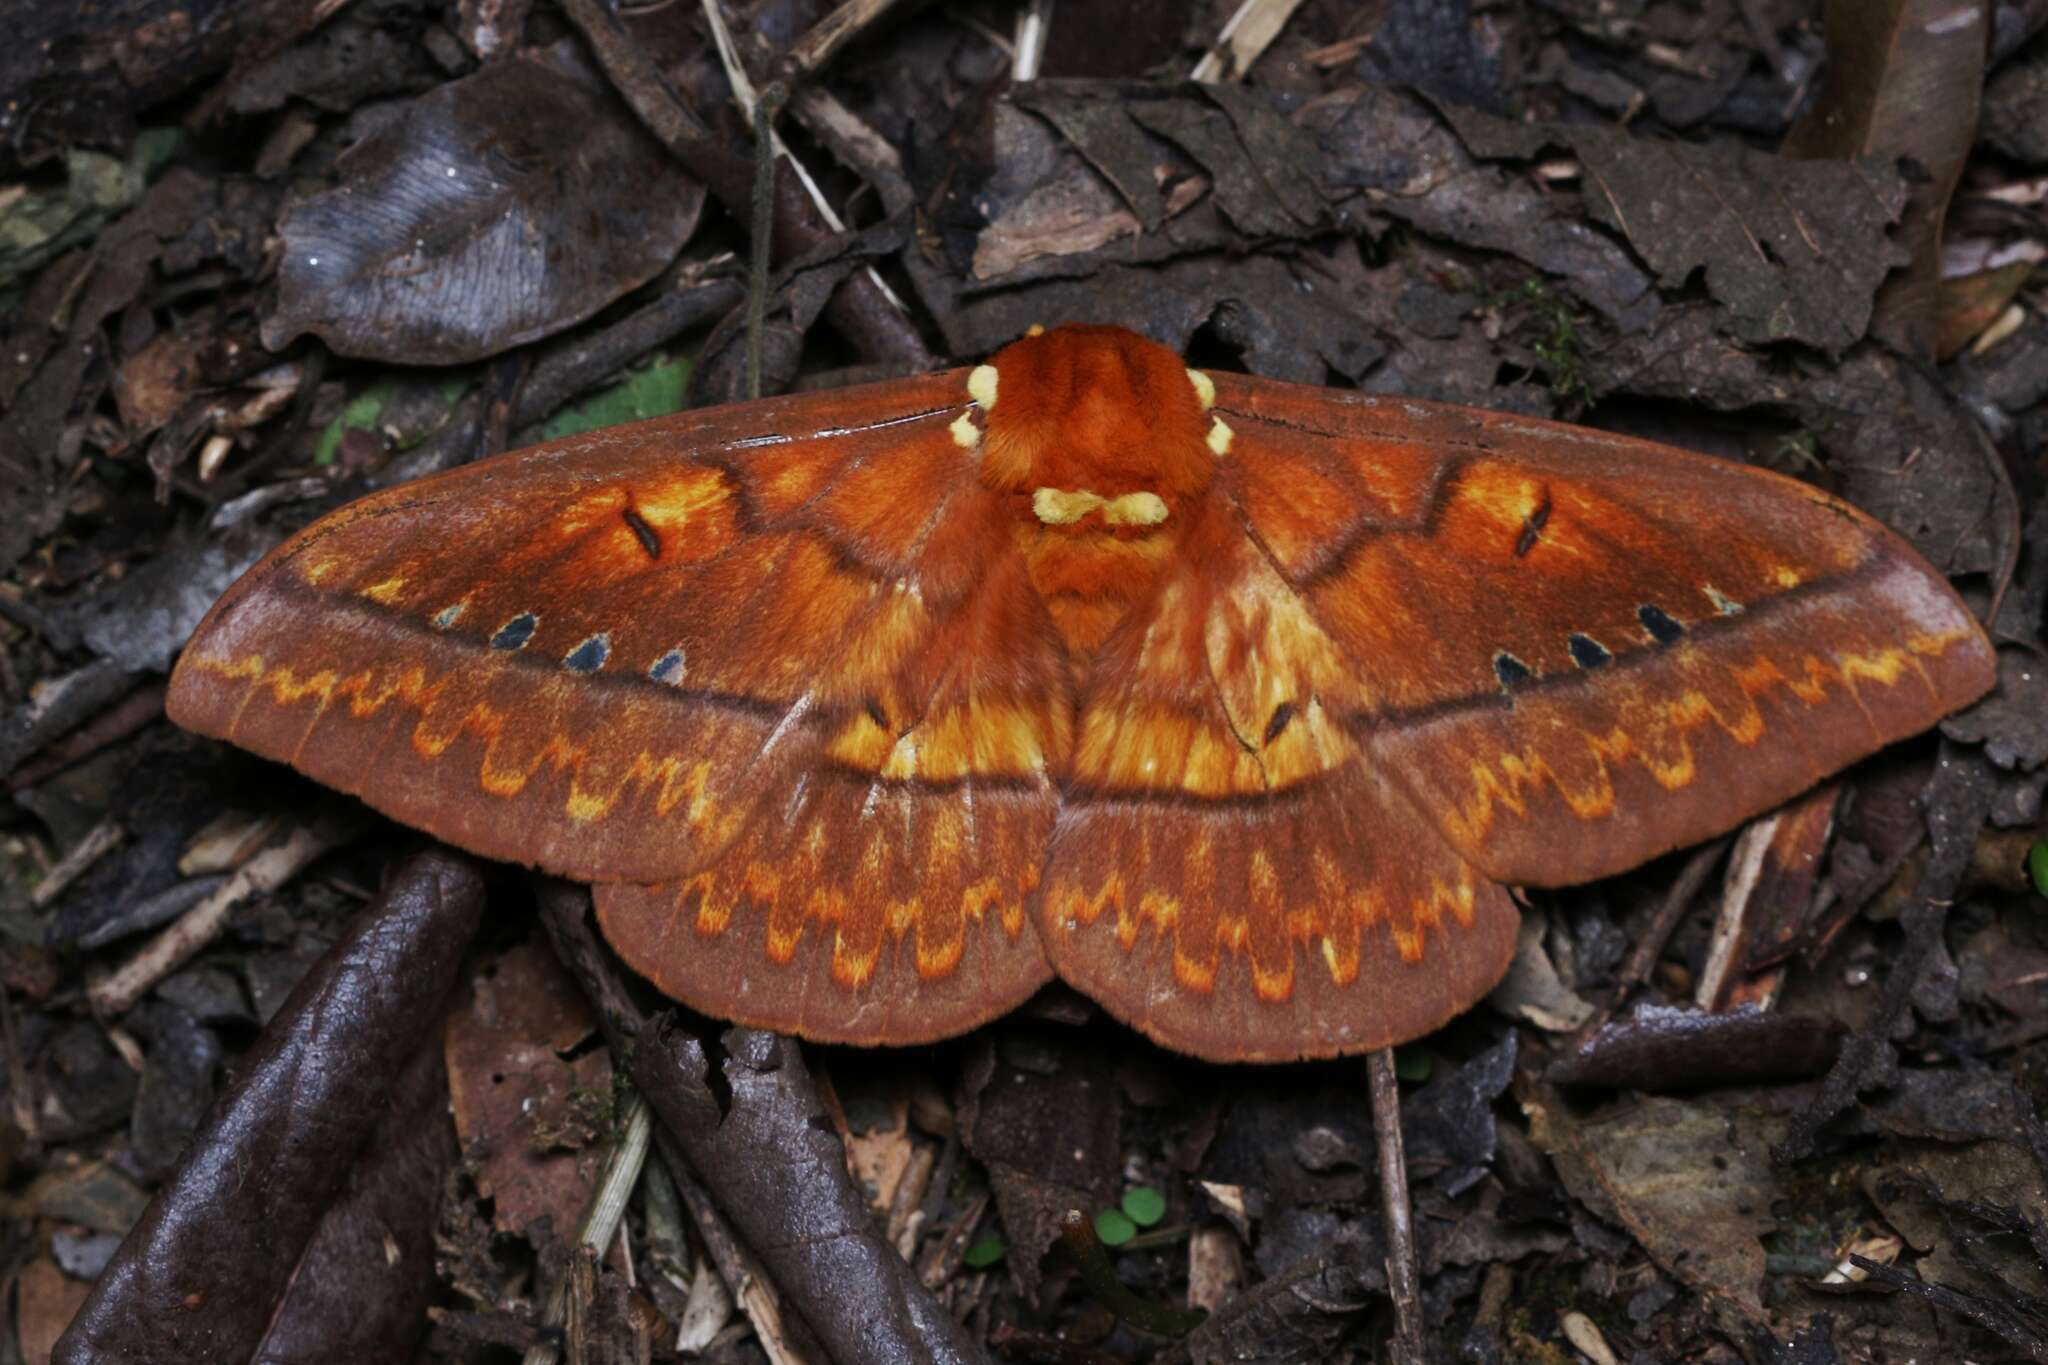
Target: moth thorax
<point>1095,409</point>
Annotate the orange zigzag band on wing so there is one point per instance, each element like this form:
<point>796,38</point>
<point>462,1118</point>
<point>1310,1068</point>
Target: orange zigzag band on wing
<point>670,780</point>
<point>1509,779</point>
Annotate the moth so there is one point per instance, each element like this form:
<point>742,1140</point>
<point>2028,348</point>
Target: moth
<point>1235,704</point>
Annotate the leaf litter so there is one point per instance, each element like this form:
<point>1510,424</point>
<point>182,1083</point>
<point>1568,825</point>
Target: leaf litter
<point>1733,225</point>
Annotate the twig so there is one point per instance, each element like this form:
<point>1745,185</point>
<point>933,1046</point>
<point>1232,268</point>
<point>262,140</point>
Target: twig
<point>1642,958</point>
<point>1245,37</point>
<point>117,993</point>
<point>749,1285</point>
<point>95,844</point>
<point>749,99</point>
<point>601,1218</point>
<point>119,721</point>
<point>862,312</point>
<point>808,54</point>
<point>765,109</point>
<point>1403,1282</point>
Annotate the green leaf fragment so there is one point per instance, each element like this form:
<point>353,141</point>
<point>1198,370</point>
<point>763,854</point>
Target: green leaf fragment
<point>651,391</point>
<point>1144,1205</point>
<point>1113,1228</point>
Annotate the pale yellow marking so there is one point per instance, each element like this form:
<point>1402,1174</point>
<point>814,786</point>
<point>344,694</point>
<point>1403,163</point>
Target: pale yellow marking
<point>1219,438</point>
<point>976,899</point>
<point>1274,985</point>
<point>313,570</point>
<point>1135,509</point>
<point>981,386</point>
<point>673,505</point>
<point>387,591</point>
<point>1785,576</point>
<point>901,764</point>
<point>1064,506</point>
<point>966,435</point>
<point>714,911</point>
<point>1036,329</point>
<point>1059,507</point>
<point>1205,389</point>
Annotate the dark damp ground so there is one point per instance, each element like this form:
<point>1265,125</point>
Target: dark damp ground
<point>258,259</point>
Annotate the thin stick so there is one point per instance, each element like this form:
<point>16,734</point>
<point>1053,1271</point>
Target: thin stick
<point>1245,37</point>
<point>746,97</point>
<point>749,1285</point>
<point>831,33</point>
<point>1642,959</point>
<point>96,843</point>
<point>117,993</point>
<point>601,1217</point>
<point>1403,1282</point>
<point>764,214</point>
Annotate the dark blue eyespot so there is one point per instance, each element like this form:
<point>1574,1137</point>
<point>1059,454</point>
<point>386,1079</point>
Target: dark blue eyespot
<point>1663,627</point>
<point>589,656</point>
<point>516,632</point>
<point>668,668</point>
<point>1509,669</point>
<point>1588,652</point>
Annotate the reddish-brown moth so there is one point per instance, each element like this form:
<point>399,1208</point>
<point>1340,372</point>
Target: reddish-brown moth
<point>1233,703</point>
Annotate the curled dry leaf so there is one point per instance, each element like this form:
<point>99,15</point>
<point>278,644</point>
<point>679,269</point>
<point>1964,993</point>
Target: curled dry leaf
<point>1792,250</point>
<point>1660,1048</point>
<point>498,209</point>
<point>1903,81</point>
<point>230,1231</point>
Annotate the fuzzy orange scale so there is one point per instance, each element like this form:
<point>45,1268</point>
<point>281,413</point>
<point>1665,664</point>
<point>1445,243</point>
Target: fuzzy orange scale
<point>1233,703</point>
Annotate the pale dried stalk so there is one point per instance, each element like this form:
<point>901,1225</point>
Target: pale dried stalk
<point>1034,26</point>
<point>1245,37</point>
<point>116,993</point>
<point>833,32</point>
<point>601,1218</point>
<point>745,95</point>
<point>97,842</point>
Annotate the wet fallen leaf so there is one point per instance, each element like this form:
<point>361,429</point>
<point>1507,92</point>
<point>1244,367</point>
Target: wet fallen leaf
<point>531,1116</point>
<point>229,1231</point>
<point>1793,250</point>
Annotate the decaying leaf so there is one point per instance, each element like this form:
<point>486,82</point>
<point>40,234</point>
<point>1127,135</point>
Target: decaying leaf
<point>490,212</point>
<point>1691,1182</point>
<point>1903,81</point>
<point>1793,250</point>
<point>530,1112</point>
